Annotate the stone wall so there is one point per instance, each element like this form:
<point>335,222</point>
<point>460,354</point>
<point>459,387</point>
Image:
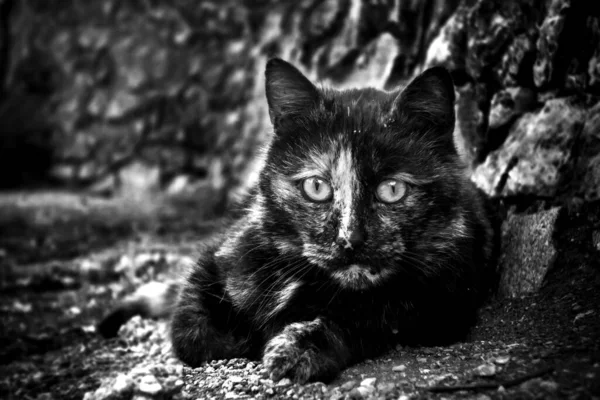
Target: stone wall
<point>104,94</point>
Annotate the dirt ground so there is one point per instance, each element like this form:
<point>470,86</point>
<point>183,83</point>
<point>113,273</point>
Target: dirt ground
<point>66,259</point>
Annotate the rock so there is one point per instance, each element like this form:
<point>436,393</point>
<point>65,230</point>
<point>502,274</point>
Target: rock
<point>585,183</point>
<point>361,392</point>
<point>238,379</point>
<point>517,62</point>
<point>536,158</point>
<point>385,387</point>
<point>501,360</point>
<point>373,67</point>
<point>443,48</point>
<point>549,386</point>
<point>368,382</point>
<point>486,45</point>
<point>121,104</point>
<point>149,385</point>
<point>486,370</point>
<point>123,383</point>
<point>527,251</point>
<point>548,43</point>
<point>399,368</point>
<point>284,382</point>
<point>348,385</point>
<point>119,387</point>
<point>355,394</point>
<point>508,104</point>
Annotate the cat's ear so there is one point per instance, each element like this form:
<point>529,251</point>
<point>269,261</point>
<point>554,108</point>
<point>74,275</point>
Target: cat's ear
<point>289,93</point>
<point>427,104</point>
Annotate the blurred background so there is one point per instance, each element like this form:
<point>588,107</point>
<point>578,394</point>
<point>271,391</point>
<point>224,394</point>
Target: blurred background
<point>151,96</point>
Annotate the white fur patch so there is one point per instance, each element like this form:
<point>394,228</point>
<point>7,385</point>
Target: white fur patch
<point>345,184</point>
<point>282,187</point>
<point>459,225</point>
<point>284,296</point>
<point>231,244</point>
<point>316,254</point>
<point>359,277</point>
<point>281,342</point>
<point>284,246</point>
<point>253,219</point>
<point>240,292</point>
<point>409,178</point>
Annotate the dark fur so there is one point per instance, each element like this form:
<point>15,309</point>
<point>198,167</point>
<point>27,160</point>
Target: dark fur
<point>232,304</point>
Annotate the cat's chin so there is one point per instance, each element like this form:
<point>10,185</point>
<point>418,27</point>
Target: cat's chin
<point>359,276</point>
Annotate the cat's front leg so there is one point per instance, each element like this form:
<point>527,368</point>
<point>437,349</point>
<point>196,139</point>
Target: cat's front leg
<point>306,351</point>
<point>204,324</point>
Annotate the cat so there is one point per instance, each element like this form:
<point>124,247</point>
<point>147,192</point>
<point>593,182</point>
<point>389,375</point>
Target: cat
<point>363,232</point>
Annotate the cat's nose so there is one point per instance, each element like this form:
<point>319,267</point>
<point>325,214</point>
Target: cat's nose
<point>354,240</point>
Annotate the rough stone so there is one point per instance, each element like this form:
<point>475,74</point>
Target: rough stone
<point>585,182</point>
<point>486,370</point>
<point>399,368</point>
<point>527,251</point>
<point>149,385</point>
<point>536,158</point>
<point>508,104</point>
<point>548,42</point>
<point>181,86</point>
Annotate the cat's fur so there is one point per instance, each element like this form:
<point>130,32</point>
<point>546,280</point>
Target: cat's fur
<point>312,287</point>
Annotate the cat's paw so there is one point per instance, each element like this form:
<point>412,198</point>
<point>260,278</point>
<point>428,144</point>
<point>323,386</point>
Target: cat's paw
<point>284,358</point>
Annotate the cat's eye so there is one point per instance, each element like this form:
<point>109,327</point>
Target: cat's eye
<point>317,189</point>
<point>391,191</point>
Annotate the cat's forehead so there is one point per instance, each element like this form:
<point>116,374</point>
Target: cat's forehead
<point>339,157</point>
<point>361,108</point>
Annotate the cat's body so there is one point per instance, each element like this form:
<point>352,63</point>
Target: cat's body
<point>364,232</point>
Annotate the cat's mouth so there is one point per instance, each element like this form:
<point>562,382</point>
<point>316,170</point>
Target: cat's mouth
<point>358,276</point>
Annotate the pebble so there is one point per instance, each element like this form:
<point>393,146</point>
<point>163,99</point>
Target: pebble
<point>348,385</point>
<point>502,360</point>
<point>550,386</point>
<point>235,379</point>
<point>422,359</point>
<point>149,385</point>
<point>368,382</point>
<point>399,368</point>
<point>385,388</point>
<point>284,382</point>
<point>486,370</point>
<point>365,391</point>
<point>122,383</point>
<point>335,394</point>
<point>360,392</point>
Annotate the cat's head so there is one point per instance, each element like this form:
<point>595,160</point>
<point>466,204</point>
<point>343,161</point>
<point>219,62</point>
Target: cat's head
<point>364,183</point>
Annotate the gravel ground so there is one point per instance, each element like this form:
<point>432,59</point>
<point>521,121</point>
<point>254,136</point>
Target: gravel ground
<point>546,345</point>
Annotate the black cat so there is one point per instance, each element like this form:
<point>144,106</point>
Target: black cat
<point>363,232</point>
